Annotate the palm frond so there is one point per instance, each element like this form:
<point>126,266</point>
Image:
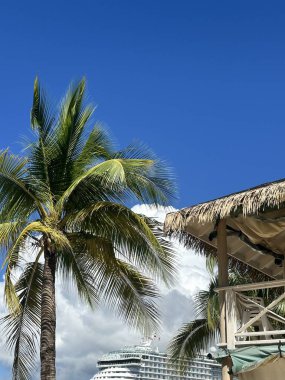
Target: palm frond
<point>138,239</point>
<point>91,190</point>
<point>110,172</point>
<point>190,340</point>
<point>23,328</point>
<point>166,258</point>
<point>75,121</point>
<point>151,183</point>
<point>42,118</point>
<point>41,154</point>
<point>69,132</point>
<point>211,264</point>
<point>207,305</point>
<point>99,274</point>
<point>128,292</point>
<point>17,196</point>
<point>97,146</point>
<point>9,232</point>
<point>11,262</point>
<point>197,335</point>
<point>78,268</point>
<point>10,294</point>
<point>138,178</point>
<point>46,148</point>
<point>57,238</point>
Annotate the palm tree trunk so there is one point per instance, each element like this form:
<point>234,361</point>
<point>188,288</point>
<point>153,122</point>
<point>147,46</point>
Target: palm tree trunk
<point>48,318</point>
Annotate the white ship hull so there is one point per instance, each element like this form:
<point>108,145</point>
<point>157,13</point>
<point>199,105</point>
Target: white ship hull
<point>144,363</point>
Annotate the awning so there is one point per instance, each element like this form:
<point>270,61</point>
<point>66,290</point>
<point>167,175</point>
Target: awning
<point>256,362</point>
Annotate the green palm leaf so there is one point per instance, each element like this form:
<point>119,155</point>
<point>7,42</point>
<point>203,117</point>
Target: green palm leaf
<point>23,328</point>
<point>97,146</point>
<point>17,197</point>
<point>68,198</point>
<point>76,267</point>
<point>197,335</point>
<point>9,232</point>
<point>191,339</point>
<point>42,118</point>
<point>130,294</point>
<point>137,238</point>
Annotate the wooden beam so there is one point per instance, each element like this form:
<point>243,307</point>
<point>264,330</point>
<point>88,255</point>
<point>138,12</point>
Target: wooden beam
<point>264,270</point>
<point>261,333</point>
<point>262,312</point>
<point>239,257</point>
<point>222,273</point>
<point>223,280</point>
<point>253,286</point>
<point>257,342</point>
<point>275,318</point>
<point>265,261</point>
<point>262,307</point>
<point>231,318</point>
<point>254,342</point>
<point>253,257</point>
<point>278,272</point>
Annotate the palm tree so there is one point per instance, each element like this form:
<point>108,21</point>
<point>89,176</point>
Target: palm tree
<point>204,330</point>
<point>63,211</point>
<point>199,333</point>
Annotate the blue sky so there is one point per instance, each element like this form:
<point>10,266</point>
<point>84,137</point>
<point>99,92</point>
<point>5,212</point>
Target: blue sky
<point>201,82</point>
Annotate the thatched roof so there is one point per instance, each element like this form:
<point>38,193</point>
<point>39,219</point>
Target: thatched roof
<point>246,202</point>
<point>255,223</point>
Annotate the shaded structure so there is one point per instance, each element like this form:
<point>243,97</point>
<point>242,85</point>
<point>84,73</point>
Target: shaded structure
<point>246,229</point>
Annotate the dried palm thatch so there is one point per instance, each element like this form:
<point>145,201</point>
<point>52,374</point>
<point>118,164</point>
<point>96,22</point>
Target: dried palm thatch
<point>255,226</point>
<point>248,202</point>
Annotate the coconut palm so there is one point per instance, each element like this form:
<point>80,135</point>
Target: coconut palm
<point>198,334</point>
<point>63,212</point>
<point>204,330</point>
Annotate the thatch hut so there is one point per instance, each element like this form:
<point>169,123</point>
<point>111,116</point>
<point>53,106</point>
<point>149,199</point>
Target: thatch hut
<point>247,227</point>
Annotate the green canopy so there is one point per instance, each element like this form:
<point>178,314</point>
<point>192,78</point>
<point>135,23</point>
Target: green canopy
<point>256,362</point>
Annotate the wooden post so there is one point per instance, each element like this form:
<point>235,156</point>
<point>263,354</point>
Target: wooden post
<point>223,280</point>
<point>223,276</point>
<point>284,271</point>
<point>231,318</point>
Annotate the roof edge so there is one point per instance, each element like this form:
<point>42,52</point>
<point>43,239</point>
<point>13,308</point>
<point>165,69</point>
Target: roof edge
<point>247,202</point>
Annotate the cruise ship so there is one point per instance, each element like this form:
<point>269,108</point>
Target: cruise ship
<point>142,362</point>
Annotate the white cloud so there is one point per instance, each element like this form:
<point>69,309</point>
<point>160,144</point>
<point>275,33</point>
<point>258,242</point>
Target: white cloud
<point>84,335</point>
